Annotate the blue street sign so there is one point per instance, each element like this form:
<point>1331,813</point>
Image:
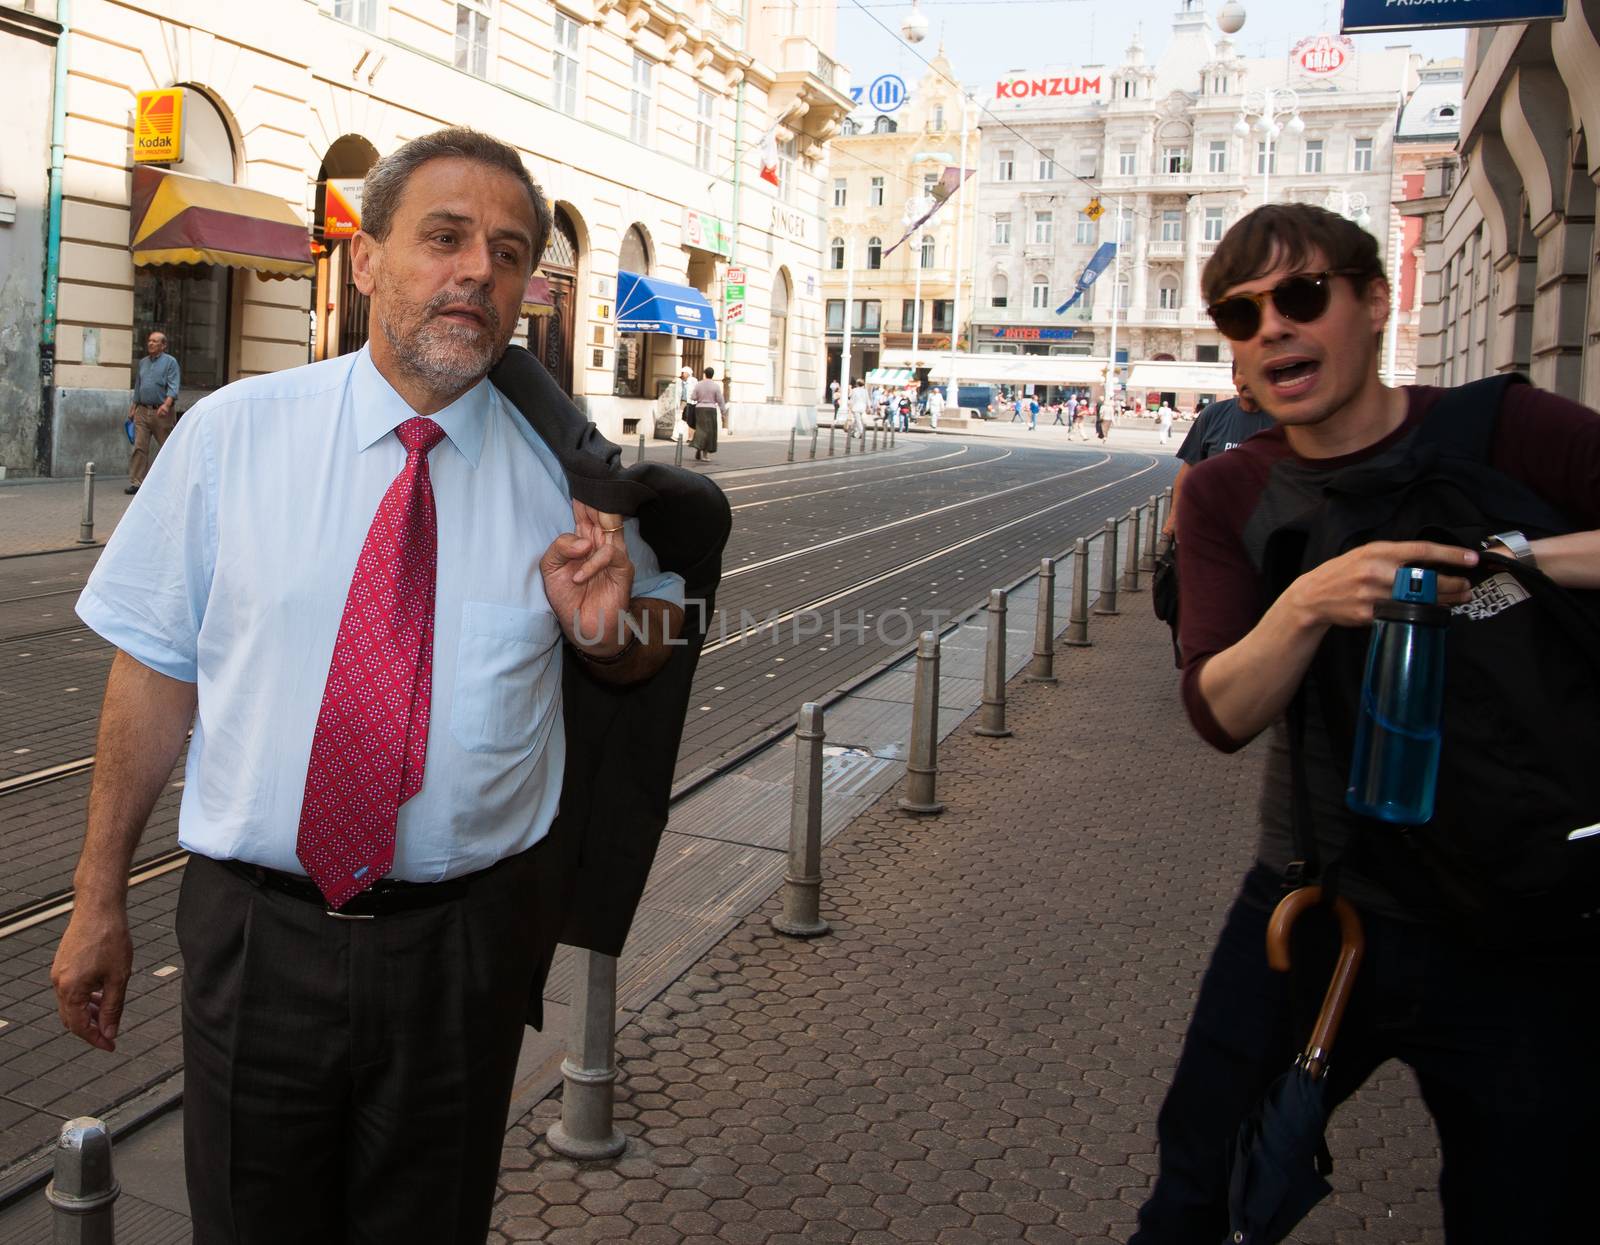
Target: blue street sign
<point>1365,15</point>
<point>887,93</point>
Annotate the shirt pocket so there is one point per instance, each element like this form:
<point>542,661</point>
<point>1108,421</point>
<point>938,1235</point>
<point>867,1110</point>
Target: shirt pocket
<point>507,677</point>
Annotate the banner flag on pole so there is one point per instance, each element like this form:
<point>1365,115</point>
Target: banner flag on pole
<point>768,151</point>
<point>940,193</point>
<point>1091,273</point>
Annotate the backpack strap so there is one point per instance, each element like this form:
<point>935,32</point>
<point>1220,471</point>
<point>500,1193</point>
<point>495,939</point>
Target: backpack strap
<point>1461,423</point>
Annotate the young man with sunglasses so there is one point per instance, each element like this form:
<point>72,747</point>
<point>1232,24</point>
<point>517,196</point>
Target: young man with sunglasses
<point>1499,1041</point>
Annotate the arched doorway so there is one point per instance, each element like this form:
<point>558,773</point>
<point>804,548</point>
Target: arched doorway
<point>340,309</point>
<point>550,336</point>
<point>778,338</point>
<point>632,362</point>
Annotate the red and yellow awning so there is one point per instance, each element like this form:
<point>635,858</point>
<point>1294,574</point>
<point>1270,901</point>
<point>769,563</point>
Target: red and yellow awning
<point>177,219</point>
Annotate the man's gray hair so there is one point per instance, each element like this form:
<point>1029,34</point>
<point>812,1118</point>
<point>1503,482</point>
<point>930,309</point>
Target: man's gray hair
<point>386,181</point>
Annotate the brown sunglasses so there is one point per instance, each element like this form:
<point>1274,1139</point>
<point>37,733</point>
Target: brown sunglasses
<point>1302,298</point>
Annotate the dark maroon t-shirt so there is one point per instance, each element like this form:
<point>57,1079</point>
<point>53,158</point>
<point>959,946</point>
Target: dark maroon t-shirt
<point>1230,503</point>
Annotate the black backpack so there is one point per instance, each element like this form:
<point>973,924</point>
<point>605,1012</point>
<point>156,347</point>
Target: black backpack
<point>1505,855</point>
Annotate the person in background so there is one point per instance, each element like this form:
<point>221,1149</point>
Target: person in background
<point>708,401</point>
<point>860,400</point>
<point>1165,413</point>
<point>1220,427</point>
<point>935,406</point>
<point>154,407</point>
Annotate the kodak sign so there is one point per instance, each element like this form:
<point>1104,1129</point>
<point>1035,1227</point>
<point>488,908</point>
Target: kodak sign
<point>1058,87</point>
<point>158,127</point>
<point>341,207</point>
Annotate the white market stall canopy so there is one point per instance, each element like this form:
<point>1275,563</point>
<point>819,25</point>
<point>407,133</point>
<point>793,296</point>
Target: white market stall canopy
<point>1021,369</point>
<point>1173,377</point>
<point>890,376</point>
<point>912,359</point>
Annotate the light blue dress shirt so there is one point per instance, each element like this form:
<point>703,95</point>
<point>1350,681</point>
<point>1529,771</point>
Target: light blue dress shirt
<point>231,568</point>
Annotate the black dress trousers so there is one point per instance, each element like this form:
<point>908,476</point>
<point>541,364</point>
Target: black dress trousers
<point>347,1080</point>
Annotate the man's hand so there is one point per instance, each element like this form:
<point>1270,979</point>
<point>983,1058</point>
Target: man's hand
<point>91,971</point>
<point>1342,592</point>
<point>588,580</point>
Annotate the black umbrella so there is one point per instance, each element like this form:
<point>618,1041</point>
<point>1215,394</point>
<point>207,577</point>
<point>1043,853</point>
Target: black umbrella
<point>1281,1163</point>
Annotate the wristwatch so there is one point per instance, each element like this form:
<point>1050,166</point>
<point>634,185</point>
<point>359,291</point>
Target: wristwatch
<point>1521,550</point>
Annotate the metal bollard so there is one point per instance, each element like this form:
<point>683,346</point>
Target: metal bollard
<point>1043,667</point>
<point>589,1072</point>
<point>86,524</point>
<point>791,445</point>
<point>1147,557</point>
<point>922,765</point>
<point>814,433</point>
<point>640,459</point>
<point>874,436</point>
<point>833,428</point>
<point>1078,619</point>
<point>1107,604</point>
<point>992,717</point>
<point>677,454</point>
<point>802,884</point>
<point>1130,564</point>
<point>84,1191</point>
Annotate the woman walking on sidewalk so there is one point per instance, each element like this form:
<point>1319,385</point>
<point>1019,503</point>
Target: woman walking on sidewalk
<point>708,403</point>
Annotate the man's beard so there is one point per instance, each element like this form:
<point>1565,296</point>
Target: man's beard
<point>446,357</point>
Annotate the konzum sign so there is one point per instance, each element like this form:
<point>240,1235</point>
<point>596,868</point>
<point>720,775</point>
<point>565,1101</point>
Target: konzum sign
<point>1041,88</point>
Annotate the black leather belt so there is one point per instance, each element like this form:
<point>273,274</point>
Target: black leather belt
<point>380,899</point>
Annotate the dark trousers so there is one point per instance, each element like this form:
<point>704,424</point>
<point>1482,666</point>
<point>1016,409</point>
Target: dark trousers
<point>347,1080</point>
<point>1501,1044</point>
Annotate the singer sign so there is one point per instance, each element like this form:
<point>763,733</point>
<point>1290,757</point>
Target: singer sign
<point>1047,87</point>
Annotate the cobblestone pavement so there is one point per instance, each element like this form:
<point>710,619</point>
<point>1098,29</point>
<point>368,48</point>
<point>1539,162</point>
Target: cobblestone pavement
<point>978,1050</point>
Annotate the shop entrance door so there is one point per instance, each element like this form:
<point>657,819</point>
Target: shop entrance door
<point>550,336</point>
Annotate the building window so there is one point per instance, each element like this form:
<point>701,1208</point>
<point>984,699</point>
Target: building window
<point>1362,160</point>
<point>1128,160</point>
<point>841,187</point>
<point>1208,354</point>
<point>1213,225</point>
<point>472,36</point>
<point>1174,160</point>
<point>1005,166</point>
<point>705,130</point>
<point>884,125</point>
<point>943,315</point>
<point>874,252</point>
<point>836,254</point>
<point>875,193</point>
<point>1044,228</point>
<point>908,317</point>
<point>639,101</point>
<point>938,117</point>
<point>926,253</point>
<point>1088,162</point>
<point>1167,294</point>
<point>1217,157</point>
<point>1122,297</point>
<point>867,316</point>
<point>1002,228</point>
<point>564,66</point>
<point>1264,164</point>
<point>1041,293</point>
<point>999,290</point>
<point>1085,230</point>
<point>1313,155</point>
<point>929,181</point>
<point>1047,164</point>
<point>362,13</point>
<point>849,128</point>
<point>1172,225</point>
<point>1125,233</point>
<point>836,315</point>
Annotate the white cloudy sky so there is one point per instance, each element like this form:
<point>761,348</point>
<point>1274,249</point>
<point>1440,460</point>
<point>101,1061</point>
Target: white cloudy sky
<point>986,38</point>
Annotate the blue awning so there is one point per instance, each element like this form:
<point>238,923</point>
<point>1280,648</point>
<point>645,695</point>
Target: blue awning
<point>649,305</point>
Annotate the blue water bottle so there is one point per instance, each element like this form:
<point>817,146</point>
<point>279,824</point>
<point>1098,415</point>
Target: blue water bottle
<point>1395,769</point>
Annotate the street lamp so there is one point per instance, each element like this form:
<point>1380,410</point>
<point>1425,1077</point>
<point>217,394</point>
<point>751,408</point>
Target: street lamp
<point>1266,107</point>
<point>915,25</point>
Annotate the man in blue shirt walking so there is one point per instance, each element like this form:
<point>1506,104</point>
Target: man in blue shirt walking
<point>155,405</point>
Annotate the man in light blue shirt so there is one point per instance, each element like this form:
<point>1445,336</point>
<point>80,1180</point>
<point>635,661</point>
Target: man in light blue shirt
<point>154,409</point>
<point>348,1072</point>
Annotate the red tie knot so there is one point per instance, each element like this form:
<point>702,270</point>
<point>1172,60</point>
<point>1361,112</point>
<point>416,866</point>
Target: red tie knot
<point>419,434</point>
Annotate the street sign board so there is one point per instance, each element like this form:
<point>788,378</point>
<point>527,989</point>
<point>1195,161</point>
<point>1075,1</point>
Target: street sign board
<point>341,207</point>
<point>734,312</point>
<point>158,127</point>
<point>1366,15</point>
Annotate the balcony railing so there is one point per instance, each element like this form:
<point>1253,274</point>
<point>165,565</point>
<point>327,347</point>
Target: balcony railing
<point>827,69</point>
<point>1167,249</point>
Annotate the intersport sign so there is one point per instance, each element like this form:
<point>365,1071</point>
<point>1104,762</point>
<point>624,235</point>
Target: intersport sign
<point>1061,87</point>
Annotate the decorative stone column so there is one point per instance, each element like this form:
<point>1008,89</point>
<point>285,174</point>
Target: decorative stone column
<point>1138,293</point>
<point>1191,259</point>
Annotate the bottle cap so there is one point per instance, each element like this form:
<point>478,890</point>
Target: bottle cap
<point>1413,583</point>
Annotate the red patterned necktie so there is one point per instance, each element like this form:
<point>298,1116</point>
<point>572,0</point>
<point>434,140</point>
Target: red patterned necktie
<point>372,731</point>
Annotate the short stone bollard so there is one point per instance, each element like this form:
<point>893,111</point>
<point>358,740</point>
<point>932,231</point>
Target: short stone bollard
<point>1130,564</point>
<point>84,1190</point>
<point>1107,604</point>
<point>1043,667</point>
<point>874,436</point>
<point>589,1072</point>
<point>1078,620</point>
<point>677,453</point>
<point>802,884</point>
<point>922,765</point>
<point>833,428</point>
<point>86,524</point>
<point>992,716</point>
<point>848,437</point>
<point>814,433</point>
<point>640,457</point>
<point>791,444</point>
<point>1147,558</point>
